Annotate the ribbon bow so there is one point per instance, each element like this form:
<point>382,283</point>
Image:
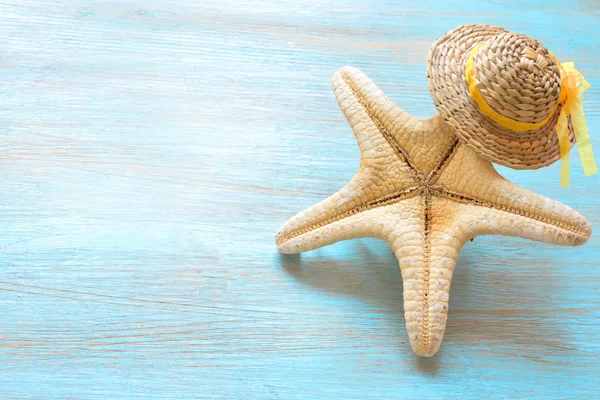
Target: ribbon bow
<point>573,86</point>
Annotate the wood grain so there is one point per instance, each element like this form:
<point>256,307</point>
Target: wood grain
<point>150,151</point>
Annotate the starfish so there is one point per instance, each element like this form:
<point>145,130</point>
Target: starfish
<point>426,194</point>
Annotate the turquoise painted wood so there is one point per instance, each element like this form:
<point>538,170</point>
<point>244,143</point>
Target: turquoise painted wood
<point>151,149</point>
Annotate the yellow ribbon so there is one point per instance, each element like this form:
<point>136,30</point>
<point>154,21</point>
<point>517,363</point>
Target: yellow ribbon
<point>573,85</point>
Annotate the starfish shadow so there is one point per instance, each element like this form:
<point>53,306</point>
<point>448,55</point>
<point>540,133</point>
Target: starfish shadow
<point>368,270</point>
<point>365,271</point>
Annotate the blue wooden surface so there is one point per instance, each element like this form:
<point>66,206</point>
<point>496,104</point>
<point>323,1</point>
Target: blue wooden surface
<point>151,149</point>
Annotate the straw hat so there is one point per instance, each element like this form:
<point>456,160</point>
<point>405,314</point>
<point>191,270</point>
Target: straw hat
<point>512,75</point>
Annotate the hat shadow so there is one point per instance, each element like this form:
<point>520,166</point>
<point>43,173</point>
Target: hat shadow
<point>368,270</point>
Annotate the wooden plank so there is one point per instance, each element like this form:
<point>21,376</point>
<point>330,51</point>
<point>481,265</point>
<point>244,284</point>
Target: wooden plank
<point>150,151</point>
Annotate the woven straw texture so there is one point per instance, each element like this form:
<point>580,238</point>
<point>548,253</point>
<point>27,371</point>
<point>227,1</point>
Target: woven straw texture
<point>517,77</point>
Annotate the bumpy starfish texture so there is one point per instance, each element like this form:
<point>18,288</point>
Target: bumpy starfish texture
<point>426,194</point>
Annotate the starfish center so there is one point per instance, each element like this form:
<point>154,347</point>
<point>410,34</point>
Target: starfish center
<point>428,184</point>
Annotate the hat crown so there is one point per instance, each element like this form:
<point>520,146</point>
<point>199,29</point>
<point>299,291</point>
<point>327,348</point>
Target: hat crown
<point>517,77</point>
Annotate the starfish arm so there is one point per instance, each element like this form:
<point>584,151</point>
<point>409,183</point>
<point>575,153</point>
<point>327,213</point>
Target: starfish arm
<point>567,227</point>
<point>377,122</point>
<point>342,216</point>
<point>507,209</point>
<point>427,255</point>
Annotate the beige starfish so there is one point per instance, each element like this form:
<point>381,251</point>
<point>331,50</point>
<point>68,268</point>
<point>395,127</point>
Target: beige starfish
<point>426,194</point>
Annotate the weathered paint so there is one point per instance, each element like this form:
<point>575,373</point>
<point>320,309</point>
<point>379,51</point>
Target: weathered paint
<point>150,150</point>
